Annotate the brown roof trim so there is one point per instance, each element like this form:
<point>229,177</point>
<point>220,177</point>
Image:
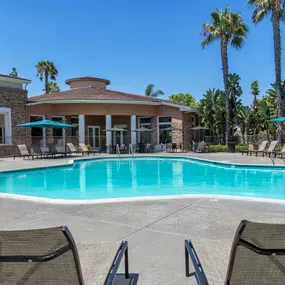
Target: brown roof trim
<point>87,78</point>
<point>14,77</point>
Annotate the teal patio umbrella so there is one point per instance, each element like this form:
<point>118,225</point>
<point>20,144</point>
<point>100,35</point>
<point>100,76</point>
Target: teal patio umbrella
<point>276,120</point>
<point>46,124</point>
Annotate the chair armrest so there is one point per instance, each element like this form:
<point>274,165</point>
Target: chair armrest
<point>122,252</point>
<point>199,272</point>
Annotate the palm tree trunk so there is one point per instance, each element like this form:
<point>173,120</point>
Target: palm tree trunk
<point>46,83</point>
<point>277,60</point>
<point>225,68</point>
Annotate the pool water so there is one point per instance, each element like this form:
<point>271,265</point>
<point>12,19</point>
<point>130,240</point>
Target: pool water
<point>135,177</point>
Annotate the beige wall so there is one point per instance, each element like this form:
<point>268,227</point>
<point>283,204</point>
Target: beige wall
<point>86,83</point>
<point>103,109</point>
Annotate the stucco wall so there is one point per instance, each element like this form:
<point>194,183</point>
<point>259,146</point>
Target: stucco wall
<point>103,109</point>
<point>86,83</point>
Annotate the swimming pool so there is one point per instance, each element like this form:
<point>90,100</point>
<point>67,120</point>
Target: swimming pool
<point>138,177</point>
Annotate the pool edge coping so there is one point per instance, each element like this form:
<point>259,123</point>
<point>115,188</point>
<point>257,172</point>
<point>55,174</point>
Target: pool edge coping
<point>80,159</point>
<point>43,200</point>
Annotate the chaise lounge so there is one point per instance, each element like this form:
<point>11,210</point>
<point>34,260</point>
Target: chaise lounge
<point>271,148</point>
<point>85,149</point>
<point>257,256</point>
<point>261,149</point>
<point>279,153</point>
<point>73,150</point>
<point>53,150</point>
<point>50,257</point>
<point>24,153</point>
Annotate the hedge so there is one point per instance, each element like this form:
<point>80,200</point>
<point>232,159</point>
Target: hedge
<point>224,148</point>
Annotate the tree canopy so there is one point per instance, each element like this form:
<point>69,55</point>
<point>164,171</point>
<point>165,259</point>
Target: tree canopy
<point>185,99</point>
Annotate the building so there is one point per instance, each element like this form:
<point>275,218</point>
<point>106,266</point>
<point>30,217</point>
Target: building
<point>92,108</point>
<point>13,100</point>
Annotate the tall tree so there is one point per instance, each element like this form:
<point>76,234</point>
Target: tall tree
<point>244,116</point>
<point>151,92</point>
<point>53,87</point>
<point>255,92</point>
<point>45,70</point>
<point>183,99</point>
<point>208,107</point>
<point>228,28</point>
<point>263,8</point>
<point>14,72</point>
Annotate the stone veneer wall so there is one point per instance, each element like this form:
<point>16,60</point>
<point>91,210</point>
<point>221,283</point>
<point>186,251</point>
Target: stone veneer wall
<point>154,133</point>
<point>15,99</point>
<point>188,123</point>
<point>177,136</point>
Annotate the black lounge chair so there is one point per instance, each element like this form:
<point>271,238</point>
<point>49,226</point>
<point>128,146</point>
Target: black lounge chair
<point>50,257</point>
<point>53,150</point>
<point>24,153</point>
<point>37,150</point>
<point>257,256</point>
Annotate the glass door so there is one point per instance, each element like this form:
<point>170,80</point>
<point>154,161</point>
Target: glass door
<point>94,136</point>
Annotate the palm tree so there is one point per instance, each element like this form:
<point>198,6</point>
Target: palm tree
<point>255,92</point>
<point>244,116</point>
<point>235,91</point>
<point>228,28</point>
<point>53,87</point>
<point>150,92</point>
<point>46,70</point>
<point>14,72</point>
<point>276,9</point>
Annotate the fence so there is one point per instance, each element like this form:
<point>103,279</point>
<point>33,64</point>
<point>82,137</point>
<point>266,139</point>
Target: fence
<point>241,139</point>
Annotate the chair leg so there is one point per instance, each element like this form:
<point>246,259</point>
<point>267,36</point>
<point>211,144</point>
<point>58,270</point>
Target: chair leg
<point>187,270</point>
<point>127,263</point>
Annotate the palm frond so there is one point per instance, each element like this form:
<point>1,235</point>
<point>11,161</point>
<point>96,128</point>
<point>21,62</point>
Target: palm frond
<point>149,90</point>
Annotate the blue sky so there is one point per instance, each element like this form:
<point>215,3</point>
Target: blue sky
<point>132,43</point>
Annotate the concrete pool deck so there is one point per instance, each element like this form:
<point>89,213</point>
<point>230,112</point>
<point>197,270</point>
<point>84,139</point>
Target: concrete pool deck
<point>155,229</point>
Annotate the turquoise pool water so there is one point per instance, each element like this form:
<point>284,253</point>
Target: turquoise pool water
<point>118,178</point>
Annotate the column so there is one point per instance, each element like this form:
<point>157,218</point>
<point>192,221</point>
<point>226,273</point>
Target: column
<point>155,136</point>
<point>8,127</point>
<point>133,127</point>
<point>81,121</point>
<point>108,126</point>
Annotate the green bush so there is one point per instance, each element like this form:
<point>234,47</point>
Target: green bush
<point>278,149</point>
<point>218,148</point>
<point>241,147</point>
<point>224,148</point>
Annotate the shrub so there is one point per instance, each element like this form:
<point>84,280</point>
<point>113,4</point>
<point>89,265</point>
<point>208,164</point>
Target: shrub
<point>218,148</point>
<point>278,149</point>
<point>241,147</point>
<point>224,148</point>
<point>89,147</point>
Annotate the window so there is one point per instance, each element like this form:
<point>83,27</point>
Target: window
<point>37,133</point>
<point>165,135</point>
<point>5,126</point>
<point>144,137</point>
<point>75,122</point>
<point>165,120</point>
<point>58,134</point>
<point>2,129</point>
